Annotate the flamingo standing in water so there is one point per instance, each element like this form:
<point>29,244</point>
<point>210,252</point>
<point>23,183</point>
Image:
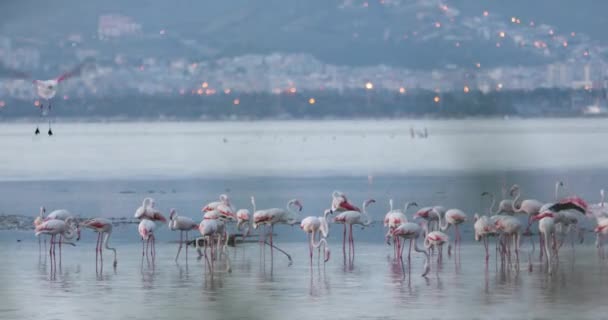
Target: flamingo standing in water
<point>65,229</point>
<point>431,215</point>
<point>483,227</point>
<point>435,239</point>
<point>103,227</point>
<point>242,221</point>
<point>38,221</point>
<point>210,229</point>
<point>184,225</point>
<point>351,218</point>
<point>510,229</point>
<point>453,217</point>
<point>412,232</point>
<point>146,231</point>
<point>530,207</point>
<point>314,226</point>
<point>546,227</point>
<point>393,219</point>
<point>601,230</point>
<point>270,217</point>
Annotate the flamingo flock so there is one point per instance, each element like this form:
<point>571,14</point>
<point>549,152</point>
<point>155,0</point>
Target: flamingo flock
<point>220,221</point>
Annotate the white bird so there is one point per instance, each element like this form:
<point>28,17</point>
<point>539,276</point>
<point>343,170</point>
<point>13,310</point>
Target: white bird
<point>453,217</point>
<point>412,232</point>
<point>350,218</point>
<point>103,227</point>
<point>184,225</point>
<point>146,231</point>
<point>317,226</point>
<point>210,229</point>
<point>47,89</point>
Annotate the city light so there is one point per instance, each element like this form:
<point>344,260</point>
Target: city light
<point>478,65</point>
<point>369,86</point>
<point>486,13</point>
<point>293,90</point>
<point>502,34</point>
<point>37,103</point>
<point>437,99</point>
<point>236,102</point>
<point>204,85</point>
<point>227,91</point>
<point>466,89</point>
<point>499,86</point>
<point>200,91</point>
<point>402,90</point>
<point>312,101</point>
<point>2,104</point>
<point>162,32</point>
<point>66,97</point>
<point>565,44</point>
<point>437,24</point>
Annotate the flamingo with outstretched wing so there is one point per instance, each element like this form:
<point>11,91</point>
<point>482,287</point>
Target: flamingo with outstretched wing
<point>46,89</point>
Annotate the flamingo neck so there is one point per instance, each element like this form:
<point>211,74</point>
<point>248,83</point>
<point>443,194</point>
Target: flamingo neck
<point>514,204</point>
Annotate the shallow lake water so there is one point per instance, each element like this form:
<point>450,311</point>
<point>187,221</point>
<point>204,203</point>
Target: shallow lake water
<point>107,169</point>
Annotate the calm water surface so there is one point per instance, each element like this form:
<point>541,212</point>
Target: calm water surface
<point>107,169</point>
<point>373,288</point>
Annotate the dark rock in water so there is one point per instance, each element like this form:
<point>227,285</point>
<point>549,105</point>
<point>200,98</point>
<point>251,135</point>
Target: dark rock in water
<point>127,191</point>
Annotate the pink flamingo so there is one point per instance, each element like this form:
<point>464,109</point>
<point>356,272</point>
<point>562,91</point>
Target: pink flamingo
<point>546,227</point>
<point>314,226</point>
<point>209,229</point>
<point>270,217</point>
<point>148,211</point>
<point>38,221</point>
<point>65,229</point>
<point>223,206</point>
<point>47,89</point>
<point>184,225</point>
<point>435,239</point>
<point>601,230</point>
<point>412,231</point>
<point>340,202</point>
<point>483,228</point>
<point>531,207</point>
<point>351,218</point>
<point>453,217</point>
<point>509,229</point>
<point>393,219</point>
<point>242,220</point>
<point>431,215</point>
<point>146,231</point>
<point>103,227</point>
<point>60,214</point>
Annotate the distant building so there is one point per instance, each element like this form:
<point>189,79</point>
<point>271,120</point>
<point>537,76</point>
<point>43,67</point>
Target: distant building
<point>115,25</point>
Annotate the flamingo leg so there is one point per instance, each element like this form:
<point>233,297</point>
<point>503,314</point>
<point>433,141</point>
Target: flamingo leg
<point>344,243</point>
<point>352,243</point>
<point>485,243</point>
<point>181,242</point>
<point>310,241</point>
<point>97,250</point>
<point>153,249</point>
<point>101,251</point>
<point>60,241</point>
<point>187,246</point>
<point>271,244</point>
<point>409,254</point>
